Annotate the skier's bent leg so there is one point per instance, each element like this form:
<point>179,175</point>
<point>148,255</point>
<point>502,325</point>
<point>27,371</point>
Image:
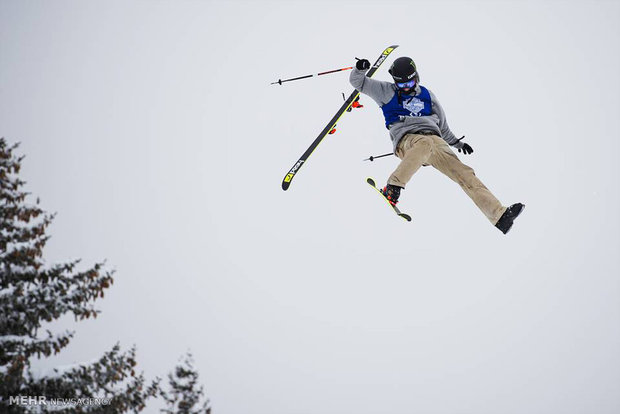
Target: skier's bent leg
<point>414,150</point>
<point>446,161</point>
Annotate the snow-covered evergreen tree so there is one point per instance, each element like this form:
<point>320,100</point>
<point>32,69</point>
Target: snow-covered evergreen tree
<point>185,395</point>
<point>33,293</point>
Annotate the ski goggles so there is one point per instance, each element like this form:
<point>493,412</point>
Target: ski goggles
<point>402,85</point>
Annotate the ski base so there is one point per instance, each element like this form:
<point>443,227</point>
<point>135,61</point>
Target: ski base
<point>396,210</point>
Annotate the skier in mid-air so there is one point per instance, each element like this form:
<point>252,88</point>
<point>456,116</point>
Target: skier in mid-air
<point>421,136</point>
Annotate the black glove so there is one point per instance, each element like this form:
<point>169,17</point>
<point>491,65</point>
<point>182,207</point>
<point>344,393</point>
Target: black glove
<point>467,149</point>
<point>362,64</point>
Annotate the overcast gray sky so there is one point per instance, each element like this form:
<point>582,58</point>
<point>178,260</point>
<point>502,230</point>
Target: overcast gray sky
<point>151,128</point>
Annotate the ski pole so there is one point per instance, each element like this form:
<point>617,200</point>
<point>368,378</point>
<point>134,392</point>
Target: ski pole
<point>372,158</point>
<point>281,81</point>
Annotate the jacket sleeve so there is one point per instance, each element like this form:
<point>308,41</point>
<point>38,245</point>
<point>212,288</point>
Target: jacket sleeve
<point>446,133</point>
<point>381,92</point>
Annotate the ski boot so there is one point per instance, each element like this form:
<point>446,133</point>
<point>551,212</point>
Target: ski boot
<point>505,221</point>
<point>391,192</point>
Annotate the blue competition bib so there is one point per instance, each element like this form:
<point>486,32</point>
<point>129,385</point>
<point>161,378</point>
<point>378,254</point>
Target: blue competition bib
<point>419,105</point>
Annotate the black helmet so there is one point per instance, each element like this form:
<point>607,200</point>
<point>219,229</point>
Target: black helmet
<point>403,70</point>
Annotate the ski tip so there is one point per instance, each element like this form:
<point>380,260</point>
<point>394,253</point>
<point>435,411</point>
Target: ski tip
<point>405,216</point>
<point>286,182</point>
<point>371,181</point>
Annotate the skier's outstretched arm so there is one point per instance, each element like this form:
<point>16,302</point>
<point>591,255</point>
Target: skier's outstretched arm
<point>446,133</point>
<point>381,92</point>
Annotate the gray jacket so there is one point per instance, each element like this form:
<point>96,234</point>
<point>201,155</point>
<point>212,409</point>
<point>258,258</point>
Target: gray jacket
<point>383,92</point>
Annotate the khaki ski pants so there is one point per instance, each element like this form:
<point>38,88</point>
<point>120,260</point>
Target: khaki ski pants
<point>416,150</point>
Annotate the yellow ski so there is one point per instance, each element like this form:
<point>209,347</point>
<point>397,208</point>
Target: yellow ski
<point>396,210</point>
